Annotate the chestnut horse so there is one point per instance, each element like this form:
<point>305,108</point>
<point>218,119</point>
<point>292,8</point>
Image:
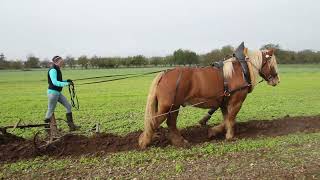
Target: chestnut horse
<point>204,87</point>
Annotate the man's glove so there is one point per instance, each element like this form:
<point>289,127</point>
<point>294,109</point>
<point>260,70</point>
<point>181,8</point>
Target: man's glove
<point>70,81</point>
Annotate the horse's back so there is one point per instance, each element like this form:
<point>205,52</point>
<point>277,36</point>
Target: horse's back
<point>186,83</point>
<point>207,81</point>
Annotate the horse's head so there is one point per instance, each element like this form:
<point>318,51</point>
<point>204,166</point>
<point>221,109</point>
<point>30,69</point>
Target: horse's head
<point>269,68</point>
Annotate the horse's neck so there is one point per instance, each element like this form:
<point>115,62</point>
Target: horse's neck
<point>254,66</point>
<point>254,74</point>
<point>238,78</point>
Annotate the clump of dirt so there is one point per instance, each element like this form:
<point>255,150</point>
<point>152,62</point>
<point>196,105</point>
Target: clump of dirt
<point>6,138</point>
<point>100,144</point>
<point>278,127</point>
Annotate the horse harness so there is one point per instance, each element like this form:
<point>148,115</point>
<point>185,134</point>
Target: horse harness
<point>227,93</point>
<point>241,57</point>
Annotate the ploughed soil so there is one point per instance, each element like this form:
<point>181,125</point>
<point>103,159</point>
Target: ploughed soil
<point>13,148</point>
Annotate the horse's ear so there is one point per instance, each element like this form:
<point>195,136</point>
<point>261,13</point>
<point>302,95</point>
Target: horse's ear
<point>245,52</point>
<point>271,51</point>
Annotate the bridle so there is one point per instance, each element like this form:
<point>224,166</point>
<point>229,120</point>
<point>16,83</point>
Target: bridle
<point>263,75</point>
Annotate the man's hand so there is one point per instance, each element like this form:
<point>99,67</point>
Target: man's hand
<point>70,81</point>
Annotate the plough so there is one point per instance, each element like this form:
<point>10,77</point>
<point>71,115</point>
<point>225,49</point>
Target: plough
<point>41,144</point>
<point>43,141</point>
<point>3,130</point>
<point>53,136</point>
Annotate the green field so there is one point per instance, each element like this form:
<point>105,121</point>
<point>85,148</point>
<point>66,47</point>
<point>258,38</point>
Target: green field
<point>119,103</point>
<point>119,107</point>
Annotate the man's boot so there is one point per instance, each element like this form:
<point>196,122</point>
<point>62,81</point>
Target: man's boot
<point>72,126</point>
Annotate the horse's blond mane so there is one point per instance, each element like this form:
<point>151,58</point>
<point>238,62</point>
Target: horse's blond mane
<point>255,63</point>
<point>228,67</point>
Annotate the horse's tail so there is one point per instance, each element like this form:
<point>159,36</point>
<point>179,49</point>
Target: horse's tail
<point>152,102</point>
<point>151,110</point>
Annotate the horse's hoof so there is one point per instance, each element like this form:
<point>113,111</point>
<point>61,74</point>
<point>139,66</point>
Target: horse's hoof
<point>142,145</point>
<point>186,144</point>
<point>204,120</point>
<point>231,140</point>
<point>156,135</point>
<point>212,133</point>
<point>202,123</point>
<point>230,137</point>
<point>180,143</point>
<point>142,142</point>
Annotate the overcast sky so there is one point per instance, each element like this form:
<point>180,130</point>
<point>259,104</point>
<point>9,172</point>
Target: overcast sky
<point>129,27</point>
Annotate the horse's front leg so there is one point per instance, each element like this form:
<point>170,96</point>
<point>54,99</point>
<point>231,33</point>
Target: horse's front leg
<point>232,110</point>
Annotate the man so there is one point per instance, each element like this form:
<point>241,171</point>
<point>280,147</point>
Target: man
<point>54,93</point>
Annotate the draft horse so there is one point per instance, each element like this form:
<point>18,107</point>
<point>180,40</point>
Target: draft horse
<point>208,87</point>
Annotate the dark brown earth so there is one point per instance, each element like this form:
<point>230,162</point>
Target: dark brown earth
<point>9,138</point>
<point>14,148</point>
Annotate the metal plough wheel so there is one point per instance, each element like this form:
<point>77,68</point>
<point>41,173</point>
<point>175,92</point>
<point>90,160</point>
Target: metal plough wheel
<point>43,145</point>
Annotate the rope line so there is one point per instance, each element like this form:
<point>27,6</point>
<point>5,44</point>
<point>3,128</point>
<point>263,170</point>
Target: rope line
<point>97,77</point>
<point>73,97</point>
<point>121,78</point>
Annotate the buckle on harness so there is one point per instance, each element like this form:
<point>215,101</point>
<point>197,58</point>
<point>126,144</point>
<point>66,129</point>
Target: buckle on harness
<point>226,93</point>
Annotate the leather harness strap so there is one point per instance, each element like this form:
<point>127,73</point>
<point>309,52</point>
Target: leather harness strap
<point>175,93</point>
<point>241,57</point>
<point>177,86</point>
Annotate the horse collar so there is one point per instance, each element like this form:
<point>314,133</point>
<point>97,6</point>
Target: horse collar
<point>240,55</point>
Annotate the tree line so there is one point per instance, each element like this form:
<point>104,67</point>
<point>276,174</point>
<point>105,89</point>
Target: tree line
<point>179,57</point>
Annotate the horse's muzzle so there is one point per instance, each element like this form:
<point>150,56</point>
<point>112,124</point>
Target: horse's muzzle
<point>274,81</point>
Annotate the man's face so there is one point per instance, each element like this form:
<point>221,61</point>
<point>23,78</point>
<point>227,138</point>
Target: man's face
<point>59,62</point>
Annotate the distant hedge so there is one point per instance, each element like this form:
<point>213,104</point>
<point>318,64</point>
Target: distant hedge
<point>179,57</point>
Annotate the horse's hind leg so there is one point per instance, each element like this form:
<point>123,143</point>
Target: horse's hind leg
<point>149,132</point>
<point>174,134</point>
<point>206,118</point>
<point>151,126</point>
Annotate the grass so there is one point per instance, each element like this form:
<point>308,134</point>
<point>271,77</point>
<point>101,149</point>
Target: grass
<point>119,107</point>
